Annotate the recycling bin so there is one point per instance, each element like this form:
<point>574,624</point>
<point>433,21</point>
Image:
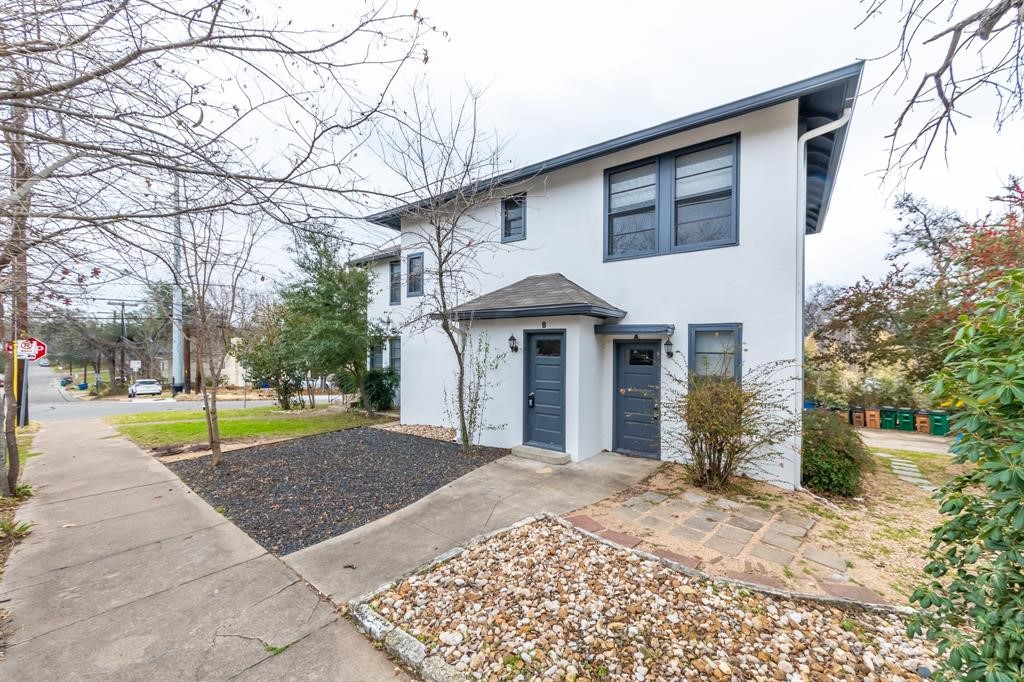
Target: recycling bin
<point>905,419</point>
<point>857,417</point>
<point>939,423</point>
<point>872,418</point>
<point>888,415</point>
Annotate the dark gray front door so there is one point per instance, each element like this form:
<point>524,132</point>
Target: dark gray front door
<point>637,397</point>
<point>544,402</point>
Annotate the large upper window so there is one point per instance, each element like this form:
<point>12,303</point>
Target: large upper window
<point>680,201</point>
<point>395,281</point>
<point>513,218</point>
<point>715,350</point>
<point>414,276</point>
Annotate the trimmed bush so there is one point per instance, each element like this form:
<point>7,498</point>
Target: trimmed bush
<point>381,387</point>
<point>833,454</point>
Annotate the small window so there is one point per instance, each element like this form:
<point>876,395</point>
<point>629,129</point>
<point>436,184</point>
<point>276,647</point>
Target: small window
<point>414,275</point>
<point>513,218</point>
<point>632,229</point>
<point>377,357</point>
<point>395,281</point>
<point>715,350</point>
<point>643,357</point>
<point>395,354</point>
<point>551,348</point>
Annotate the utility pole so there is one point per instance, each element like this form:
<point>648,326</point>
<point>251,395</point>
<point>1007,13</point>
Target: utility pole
<point>177,340</point>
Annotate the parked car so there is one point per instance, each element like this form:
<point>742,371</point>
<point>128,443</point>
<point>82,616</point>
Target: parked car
<point>44,362</point>
<point>145,387</point>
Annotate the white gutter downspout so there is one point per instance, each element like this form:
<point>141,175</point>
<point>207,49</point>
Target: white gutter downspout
<point>801,221</point>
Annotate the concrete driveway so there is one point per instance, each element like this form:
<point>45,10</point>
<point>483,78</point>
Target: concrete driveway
<point>128,575</point>
<point>905,440</point>
<point>491,497</point>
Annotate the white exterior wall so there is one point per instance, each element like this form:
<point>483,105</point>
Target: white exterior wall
<point>754,283</point>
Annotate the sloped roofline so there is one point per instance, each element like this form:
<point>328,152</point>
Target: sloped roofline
<point>847,78</point>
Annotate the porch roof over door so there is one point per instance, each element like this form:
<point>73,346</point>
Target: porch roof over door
<point>538,296</point>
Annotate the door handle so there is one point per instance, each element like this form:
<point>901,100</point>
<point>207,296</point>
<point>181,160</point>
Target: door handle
<point>656,412</point>
<point>529,400</point>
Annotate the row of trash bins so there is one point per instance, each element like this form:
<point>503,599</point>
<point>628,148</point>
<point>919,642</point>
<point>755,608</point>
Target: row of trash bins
<point>935,422</point>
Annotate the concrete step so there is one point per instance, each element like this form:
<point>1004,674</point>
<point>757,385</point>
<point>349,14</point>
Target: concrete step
<point>540,454</point>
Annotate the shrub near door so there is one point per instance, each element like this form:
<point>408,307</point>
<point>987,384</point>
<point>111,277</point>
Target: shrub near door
<point>833,454</point>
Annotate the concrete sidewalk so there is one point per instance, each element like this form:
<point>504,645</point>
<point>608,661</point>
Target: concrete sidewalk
<point>491,497</point>
<point>128,575</point>
<point>905,440</point>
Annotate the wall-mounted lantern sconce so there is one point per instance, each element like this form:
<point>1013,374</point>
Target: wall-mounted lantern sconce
<point>669,347</point>
<point>513,345</point>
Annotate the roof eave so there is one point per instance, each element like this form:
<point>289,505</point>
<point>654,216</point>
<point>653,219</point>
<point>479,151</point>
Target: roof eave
<point>585,309</point>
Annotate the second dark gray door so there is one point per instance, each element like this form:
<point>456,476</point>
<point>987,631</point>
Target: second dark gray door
<point>544,400</point>
<point>637,398</point>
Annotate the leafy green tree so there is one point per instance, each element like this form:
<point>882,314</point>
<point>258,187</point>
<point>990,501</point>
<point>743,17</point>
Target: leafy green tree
<point>329,306</point>
<point>974,602</point>
<point>269,353</point>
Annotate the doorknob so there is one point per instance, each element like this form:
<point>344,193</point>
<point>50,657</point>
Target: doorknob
<point>529,400</point>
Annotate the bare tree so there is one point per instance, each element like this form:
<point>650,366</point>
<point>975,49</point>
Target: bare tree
<point>448,168</point>
<point>104,104</point>
<point>984,50</point>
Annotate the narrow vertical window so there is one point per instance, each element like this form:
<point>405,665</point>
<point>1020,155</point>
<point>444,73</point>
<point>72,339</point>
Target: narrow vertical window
<point>414,277</point>
<point>704,183</point>
<point>513,218</point>
<point>395,281</point>
<point>377,357</point>
<point>632,228</point>
<point>395,354</point>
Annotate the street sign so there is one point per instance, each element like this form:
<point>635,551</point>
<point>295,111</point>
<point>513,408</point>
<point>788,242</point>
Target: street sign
<point>136,365</point>
<point>27,349</point>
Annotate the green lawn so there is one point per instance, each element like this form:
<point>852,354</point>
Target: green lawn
<point>240,428</point>
<point>192,415</point>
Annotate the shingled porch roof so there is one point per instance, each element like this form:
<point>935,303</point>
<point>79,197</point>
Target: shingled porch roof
<point>537,296</point>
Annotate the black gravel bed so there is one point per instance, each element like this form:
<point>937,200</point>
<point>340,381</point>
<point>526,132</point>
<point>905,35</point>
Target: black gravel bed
<point>296,493</point>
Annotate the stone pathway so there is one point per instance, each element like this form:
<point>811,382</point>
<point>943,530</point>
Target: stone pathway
<point>718,531</point>
<point>906,470</point>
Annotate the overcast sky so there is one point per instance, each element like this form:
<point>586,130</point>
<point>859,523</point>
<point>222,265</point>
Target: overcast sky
<point>562,75</point>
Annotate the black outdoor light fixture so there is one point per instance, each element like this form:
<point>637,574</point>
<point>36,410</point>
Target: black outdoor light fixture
<point>513,345</point>
<point>668,347</point>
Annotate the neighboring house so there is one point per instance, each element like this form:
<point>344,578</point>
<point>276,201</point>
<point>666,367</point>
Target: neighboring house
<point>684,239</point>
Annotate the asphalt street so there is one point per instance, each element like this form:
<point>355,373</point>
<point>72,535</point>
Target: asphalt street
<point>48,402</point>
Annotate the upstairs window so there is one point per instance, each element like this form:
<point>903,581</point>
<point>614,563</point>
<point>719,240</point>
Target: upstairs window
<point>513,218</point>
<point>395,281</point>
<point>715,350</point>
<point>680,201</point>
<point>414,277</point>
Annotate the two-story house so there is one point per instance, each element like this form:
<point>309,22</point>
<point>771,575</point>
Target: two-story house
<point>627,261</point>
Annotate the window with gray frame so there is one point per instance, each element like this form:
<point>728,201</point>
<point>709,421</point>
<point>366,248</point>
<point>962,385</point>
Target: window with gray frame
<point>414,275</point>
<point>395,354</point>
<point>716,350</point>
<point>701,184</point>
<point>513,218</point>
<point>395,281</point>
<point>377,357</point>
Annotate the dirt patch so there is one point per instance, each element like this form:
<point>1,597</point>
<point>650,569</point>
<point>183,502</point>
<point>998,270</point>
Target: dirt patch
<point>442,433</point>
<point>296,493</point>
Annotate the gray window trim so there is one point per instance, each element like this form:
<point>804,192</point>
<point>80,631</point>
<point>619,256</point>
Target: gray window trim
<point>393,343</point>
<point>392,299</point>
<point>664,203</point>
<point>513,197</point>
<point>377,356</point>
<point>691,344</point>
<point>409,291</point>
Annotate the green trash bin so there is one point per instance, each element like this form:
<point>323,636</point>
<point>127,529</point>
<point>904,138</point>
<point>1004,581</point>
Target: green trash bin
<point>940,423</point>
<point>905,419</point>
<point>888,417</point>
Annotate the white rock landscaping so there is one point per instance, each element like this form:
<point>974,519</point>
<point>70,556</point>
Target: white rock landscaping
<point>546,601</point>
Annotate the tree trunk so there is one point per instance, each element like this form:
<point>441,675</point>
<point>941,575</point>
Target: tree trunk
<point>210,409</point>
<point>10,436</point>
<point>367,405</point>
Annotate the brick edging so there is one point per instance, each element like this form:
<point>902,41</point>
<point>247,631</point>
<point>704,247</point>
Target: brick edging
<point>413,652</point>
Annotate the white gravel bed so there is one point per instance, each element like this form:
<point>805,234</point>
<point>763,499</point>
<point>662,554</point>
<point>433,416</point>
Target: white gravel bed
<point>545,602</point>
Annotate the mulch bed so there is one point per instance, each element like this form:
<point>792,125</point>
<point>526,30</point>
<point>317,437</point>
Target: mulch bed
<point>294,494</point>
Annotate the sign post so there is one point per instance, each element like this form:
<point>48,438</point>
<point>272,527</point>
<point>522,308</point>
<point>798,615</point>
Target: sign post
<point>27,350</point>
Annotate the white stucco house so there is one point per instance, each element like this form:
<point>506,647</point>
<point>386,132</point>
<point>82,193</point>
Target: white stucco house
<point>684,241</point>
